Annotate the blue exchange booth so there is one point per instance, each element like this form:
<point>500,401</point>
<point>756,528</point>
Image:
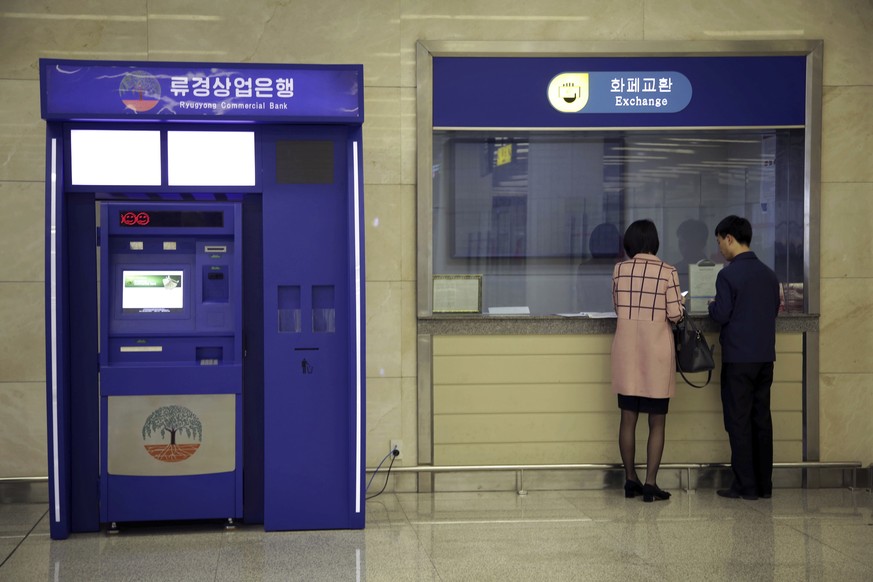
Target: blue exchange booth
<point>205,360</point>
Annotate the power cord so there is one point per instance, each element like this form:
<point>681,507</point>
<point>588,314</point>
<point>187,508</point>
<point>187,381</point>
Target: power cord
<point>394,453</point>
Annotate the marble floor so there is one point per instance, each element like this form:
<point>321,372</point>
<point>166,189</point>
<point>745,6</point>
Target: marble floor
<point>823,534</point>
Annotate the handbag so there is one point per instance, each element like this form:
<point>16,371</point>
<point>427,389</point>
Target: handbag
<point>693,353</point>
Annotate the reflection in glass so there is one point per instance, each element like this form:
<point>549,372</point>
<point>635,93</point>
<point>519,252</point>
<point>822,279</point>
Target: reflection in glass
<point>323,309</point>
<point>289,309</point>
<point>540,214</point>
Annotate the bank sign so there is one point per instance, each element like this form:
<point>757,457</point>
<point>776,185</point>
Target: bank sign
<point>100,90</point>
<point>607,92</point>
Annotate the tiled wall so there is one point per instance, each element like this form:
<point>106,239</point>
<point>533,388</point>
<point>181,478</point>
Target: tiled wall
<point>382,34</point>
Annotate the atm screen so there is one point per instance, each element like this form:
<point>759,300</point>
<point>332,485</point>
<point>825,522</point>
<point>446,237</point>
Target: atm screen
<point>158,291</point>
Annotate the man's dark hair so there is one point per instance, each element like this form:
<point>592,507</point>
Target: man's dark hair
<point>736,226</point>
<point>641,237</point>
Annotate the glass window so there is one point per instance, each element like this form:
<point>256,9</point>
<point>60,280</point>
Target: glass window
<point>541,214</point>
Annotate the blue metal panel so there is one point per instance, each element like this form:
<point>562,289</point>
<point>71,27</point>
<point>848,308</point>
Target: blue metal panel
<point>172,498</point>
<point>130,380</point>
<point>57,384</point>
<point>153,498</point>
<point>357,330</point>
<point>309,395</point>
<point>71,365</point>
<point>84,387</point>
<point>253,366</point>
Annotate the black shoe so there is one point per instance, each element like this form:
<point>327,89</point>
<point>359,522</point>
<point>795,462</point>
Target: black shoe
<point>632,488</point>
<point>734,494</point>
<point>653,493</point>
<point>766,495</point>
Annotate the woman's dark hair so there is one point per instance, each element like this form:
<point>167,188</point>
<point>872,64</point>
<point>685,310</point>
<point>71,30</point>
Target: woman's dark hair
<point>641,237</point>
<point>736,226</point>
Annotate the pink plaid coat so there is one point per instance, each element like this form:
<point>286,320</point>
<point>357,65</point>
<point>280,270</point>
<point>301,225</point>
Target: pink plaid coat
<point>645,292</point>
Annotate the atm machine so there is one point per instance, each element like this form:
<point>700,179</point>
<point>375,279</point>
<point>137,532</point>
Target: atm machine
<point>171,361</point>
<point>205,324</point>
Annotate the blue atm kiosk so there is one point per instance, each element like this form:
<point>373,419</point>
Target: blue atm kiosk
<point>204,294</point>
<point>171,361</point>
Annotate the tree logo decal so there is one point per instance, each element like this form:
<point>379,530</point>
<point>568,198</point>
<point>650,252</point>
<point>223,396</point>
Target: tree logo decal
<point>175,421</point>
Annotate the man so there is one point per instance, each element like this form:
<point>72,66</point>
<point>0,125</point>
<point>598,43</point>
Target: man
<point>746,303</point>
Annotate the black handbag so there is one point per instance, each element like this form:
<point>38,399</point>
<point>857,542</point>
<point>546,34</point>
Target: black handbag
<point>693,353</point>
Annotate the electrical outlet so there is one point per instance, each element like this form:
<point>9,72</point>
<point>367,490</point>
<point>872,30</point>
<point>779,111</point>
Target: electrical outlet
<point>397,444</point>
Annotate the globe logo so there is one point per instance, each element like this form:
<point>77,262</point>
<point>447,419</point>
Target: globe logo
<point>139,91</point>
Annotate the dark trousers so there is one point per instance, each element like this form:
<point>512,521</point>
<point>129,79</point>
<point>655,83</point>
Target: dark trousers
<point>745,398</point>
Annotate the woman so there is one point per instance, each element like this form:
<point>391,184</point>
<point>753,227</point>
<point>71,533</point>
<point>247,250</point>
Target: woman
<point>645,292</point>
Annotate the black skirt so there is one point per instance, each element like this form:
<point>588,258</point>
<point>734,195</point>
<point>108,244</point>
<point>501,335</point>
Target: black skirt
<point>643,404</point>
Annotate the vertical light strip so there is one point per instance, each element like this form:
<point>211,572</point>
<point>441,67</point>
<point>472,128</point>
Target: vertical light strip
<point>357,222</point>
<point>53,306</point>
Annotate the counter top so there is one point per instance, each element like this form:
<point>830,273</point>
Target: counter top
<point>466,324</point>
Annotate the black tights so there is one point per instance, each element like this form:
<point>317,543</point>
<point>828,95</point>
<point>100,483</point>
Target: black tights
<point>627,439</point>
